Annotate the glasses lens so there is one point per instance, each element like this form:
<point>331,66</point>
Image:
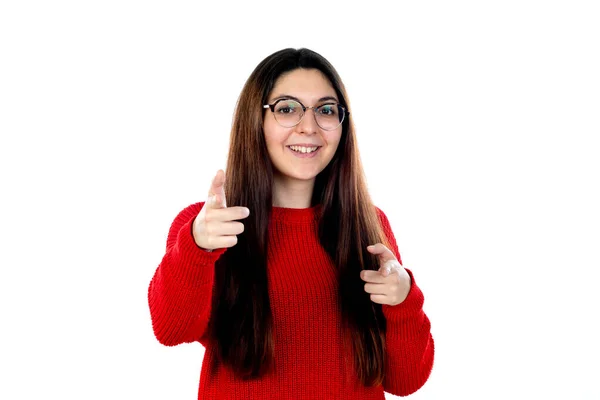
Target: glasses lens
<point>329,116</point>
<point>288,113</point>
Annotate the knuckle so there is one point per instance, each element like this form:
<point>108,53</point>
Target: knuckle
<point>240,227</point>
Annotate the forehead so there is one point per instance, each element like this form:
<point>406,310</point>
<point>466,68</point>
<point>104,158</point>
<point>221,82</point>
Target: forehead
<point>306,84</point>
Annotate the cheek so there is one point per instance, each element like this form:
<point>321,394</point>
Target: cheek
<point>275,135</point>
<point>334,139</point>
<point>269,133</point>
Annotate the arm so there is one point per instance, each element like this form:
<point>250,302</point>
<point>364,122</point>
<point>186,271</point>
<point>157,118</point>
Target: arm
<point>180,292</point>
<point>409,344</point>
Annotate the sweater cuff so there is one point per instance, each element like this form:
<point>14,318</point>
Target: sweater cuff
<point>409,313</point>
<point>194,265</point>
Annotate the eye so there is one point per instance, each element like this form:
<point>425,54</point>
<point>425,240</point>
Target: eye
<point>287,107</point>
<point>328,109</point>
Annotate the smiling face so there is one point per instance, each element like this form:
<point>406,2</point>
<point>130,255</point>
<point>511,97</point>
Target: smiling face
<point>311,88</point>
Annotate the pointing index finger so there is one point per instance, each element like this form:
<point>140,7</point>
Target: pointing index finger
<point>371,276</point>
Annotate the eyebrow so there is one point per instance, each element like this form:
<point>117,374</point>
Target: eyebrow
<point>287,96</point>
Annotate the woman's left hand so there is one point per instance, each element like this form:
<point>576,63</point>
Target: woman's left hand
<point>391,283</point>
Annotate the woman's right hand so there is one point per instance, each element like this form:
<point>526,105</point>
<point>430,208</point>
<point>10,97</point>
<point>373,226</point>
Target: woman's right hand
<point>215,226</point>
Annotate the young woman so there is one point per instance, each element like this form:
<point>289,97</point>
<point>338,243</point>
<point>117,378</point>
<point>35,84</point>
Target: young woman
<point>288,275</point>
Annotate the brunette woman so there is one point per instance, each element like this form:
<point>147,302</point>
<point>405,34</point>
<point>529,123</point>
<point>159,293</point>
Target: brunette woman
<point>288,274</point>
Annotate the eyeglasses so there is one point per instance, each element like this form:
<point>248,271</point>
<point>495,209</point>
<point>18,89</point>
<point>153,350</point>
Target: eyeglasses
<point>288,113</point>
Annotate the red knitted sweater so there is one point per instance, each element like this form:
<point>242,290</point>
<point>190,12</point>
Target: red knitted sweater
<point>309,360</point>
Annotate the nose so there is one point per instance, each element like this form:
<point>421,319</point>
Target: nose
<point>308,124</point>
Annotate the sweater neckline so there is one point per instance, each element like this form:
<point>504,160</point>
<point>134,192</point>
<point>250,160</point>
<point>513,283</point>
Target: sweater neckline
<point>295,215</point>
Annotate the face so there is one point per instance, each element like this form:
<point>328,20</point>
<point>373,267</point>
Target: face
<point>310,87</point>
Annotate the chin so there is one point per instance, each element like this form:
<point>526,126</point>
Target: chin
<point>305,178</point>
<point>299,177</point>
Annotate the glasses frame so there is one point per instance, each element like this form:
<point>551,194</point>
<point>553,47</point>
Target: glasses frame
<point>304,108</point>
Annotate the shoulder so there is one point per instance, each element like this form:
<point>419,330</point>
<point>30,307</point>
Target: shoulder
<point>388,232</point>
<point>383,219</point>
<point>384,222</point>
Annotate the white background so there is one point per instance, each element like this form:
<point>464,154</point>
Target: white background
<point>115,115</point>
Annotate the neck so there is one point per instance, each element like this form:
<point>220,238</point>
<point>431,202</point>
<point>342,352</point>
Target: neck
<point>292,193</point>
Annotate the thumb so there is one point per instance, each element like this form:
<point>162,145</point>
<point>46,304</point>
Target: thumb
<point>216,193</point>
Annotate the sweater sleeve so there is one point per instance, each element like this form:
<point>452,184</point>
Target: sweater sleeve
<point>180,292</point>
<point>409,344</point>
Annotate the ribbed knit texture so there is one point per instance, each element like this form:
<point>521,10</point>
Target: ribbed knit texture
<point>307,327</point>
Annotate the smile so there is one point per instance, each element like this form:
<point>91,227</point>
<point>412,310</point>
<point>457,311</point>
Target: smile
<point>304,152</point>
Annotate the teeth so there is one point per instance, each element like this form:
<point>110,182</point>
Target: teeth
<point>302,149</point>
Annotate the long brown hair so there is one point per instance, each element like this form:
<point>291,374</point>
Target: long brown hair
<point>241,323</point>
